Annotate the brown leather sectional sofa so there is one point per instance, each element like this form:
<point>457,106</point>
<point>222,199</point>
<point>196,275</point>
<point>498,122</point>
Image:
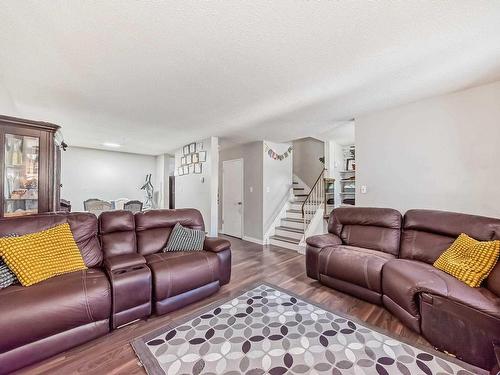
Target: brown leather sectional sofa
<point>377,255</point>
<point>128,278</point>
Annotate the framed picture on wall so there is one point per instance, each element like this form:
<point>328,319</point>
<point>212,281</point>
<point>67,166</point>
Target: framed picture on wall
<point>183,160</point>
<point>185,150</point>
<point>202,155</point>
<point>199,146</point>
<point>197,168</point>
<point>189,159</point>
<point>350,165</point>
<point>180,171</point>
<point>185,169</point>
<point>196,158</point>
<point>191,168</point>
<point>192,148</point>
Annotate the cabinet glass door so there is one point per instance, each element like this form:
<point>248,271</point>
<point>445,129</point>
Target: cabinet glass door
<point>21,175</point>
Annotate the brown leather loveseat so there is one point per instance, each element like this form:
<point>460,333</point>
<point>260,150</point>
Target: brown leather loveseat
<point>128,277</point>
<point>374,254</point>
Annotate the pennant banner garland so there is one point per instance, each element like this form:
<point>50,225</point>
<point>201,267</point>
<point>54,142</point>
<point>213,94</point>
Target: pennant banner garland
<point>274,155</point>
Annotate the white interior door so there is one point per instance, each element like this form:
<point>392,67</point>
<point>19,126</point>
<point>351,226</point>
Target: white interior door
<point>232,197</point>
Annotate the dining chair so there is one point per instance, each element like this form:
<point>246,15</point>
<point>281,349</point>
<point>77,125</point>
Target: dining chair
<point>133,206</point>
<point>96,206</point>
<point>120,202</point>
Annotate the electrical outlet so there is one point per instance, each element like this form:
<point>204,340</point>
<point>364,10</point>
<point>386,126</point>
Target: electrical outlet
<point>363,189</point>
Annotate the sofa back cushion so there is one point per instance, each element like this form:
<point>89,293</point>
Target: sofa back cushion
<point>367,227</point>
<point>117,233</point>
<point>428,233</point>
<point>83,226</point>
<point>153,227</point>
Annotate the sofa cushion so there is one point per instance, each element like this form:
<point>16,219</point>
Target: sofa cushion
<point>185,239</point>
<point>7,277</point>
<point>29,314</point>
<point>38,256</point>
<point>367,227</point>
<point>117,233</point>
<point>404,280</point>
<point>493,280</point>
<point>153,227</point>
<point>83,226</point>
<point>178,272</point>
<point>355,265</point>
<point>428,233</point>
<point>468,260</point>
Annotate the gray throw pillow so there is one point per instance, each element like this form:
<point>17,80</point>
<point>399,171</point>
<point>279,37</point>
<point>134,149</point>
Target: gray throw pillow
<point>185,239</point>
<point>7,277</point>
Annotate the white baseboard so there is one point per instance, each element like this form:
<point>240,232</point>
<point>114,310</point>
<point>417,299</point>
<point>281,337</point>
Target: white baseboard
<point>254,240</point>
<point>302,249</point>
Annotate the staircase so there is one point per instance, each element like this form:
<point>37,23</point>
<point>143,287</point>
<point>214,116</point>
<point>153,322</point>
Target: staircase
<point>303,207</point>
<point>291,230</point>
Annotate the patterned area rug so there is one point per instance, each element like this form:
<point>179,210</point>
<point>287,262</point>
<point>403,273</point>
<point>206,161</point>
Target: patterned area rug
<point>267,330</point>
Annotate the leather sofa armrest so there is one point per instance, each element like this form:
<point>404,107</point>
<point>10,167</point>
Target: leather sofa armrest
<point>123,261</point>
<point>314,246</point>
<point>215,244</point>
<point>323,240</point>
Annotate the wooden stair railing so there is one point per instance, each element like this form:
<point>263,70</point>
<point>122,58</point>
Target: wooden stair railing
<point>314,200</point>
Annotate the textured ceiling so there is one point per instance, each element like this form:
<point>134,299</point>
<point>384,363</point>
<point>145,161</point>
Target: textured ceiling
<point>155,75</point>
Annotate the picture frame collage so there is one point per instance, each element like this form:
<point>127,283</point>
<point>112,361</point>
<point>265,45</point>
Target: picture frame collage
<point>192,159</point>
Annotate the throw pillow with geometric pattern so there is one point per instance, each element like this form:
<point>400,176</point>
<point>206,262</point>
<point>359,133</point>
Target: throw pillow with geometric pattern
<point>185,239</point>
<point>7,277</point>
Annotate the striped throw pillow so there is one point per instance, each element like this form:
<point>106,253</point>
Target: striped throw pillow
<point>7,277</point>
<point>185,239</point>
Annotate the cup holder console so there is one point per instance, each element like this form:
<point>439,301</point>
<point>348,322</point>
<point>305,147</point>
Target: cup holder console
<point>121,271</point>
<point>131,294</point>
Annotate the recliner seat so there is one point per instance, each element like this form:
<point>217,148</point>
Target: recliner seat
<point>173,287</point>
<point>452,316</point>
<point>128,277</point>
<point>351,256</point>
<point>58,313</point>
<point>449,314</point>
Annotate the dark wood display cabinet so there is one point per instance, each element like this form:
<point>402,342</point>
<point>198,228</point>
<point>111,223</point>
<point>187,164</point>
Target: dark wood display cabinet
<point>29,167</point>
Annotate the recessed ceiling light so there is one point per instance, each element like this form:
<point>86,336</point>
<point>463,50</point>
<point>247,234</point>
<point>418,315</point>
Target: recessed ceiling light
<point>111,144</point>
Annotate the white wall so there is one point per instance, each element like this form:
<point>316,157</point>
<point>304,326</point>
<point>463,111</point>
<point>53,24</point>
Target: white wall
<point>164,168</point>
<point>438,153</point>
<point>200,190</point>
<point>277,181</point>
<point>88,173</point>
<point>306,155</point>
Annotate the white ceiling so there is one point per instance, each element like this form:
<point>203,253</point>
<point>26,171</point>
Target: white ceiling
<point>342,132</point>
<point>155,75</point>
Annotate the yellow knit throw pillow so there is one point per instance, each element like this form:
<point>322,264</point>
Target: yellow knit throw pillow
<point>469,260</point>
<point>38,256</point>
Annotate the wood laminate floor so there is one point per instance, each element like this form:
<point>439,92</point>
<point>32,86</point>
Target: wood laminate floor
<point>112,354</point>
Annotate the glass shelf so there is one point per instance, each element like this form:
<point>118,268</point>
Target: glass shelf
<point>21,175</point>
